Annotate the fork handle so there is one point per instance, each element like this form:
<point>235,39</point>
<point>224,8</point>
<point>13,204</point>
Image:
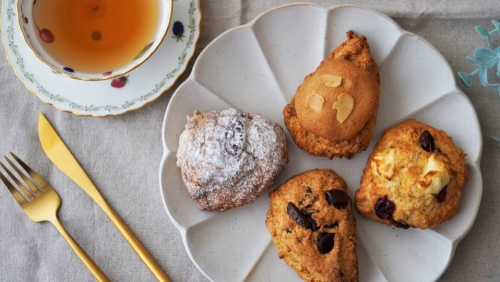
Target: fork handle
<point>89,263</point>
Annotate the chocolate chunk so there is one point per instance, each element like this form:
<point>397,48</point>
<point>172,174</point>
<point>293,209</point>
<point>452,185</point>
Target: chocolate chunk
<point>333,225</point>
<point>314,224</point>
<point>300,218</point>
<point>325,242</point>
<point>308,190</point>
<point>337,198</point>
<point>427,141</point>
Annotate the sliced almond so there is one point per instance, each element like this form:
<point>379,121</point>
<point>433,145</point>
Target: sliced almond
<point>344,106</point>
<point>330,80</point>
<point>315,101</point>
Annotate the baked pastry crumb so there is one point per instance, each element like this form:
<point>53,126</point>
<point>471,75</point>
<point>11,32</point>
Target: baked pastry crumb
<point>413,178</point>
<point>312,225</point>
<point>334,110</point>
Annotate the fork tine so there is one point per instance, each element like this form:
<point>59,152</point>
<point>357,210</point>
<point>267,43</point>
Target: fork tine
<point>28,181</point>
<point>19,198</point>
<point>16,180</point>
<point>32,187</point>
<point>38,179</point>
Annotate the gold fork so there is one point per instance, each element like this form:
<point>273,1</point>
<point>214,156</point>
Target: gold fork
<point>41,204</point>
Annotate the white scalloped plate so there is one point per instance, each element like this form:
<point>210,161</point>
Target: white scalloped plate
<point>257,67</point>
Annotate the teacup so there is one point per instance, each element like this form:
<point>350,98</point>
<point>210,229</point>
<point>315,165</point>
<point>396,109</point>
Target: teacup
<point>94,39</point>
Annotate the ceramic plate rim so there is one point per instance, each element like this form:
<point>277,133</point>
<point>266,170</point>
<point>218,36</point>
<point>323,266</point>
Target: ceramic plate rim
<point>167,152</point>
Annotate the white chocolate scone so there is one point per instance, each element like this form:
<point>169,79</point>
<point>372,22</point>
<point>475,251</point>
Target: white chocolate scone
<point>413,178</point>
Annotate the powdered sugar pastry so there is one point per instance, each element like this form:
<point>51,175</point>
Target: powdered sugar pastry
<point>229,158</point>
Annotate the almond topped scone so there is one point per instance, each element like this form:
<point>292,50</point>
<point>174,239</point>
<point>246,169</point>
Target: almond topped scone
<point>413,178</point>
<point>334,110</point>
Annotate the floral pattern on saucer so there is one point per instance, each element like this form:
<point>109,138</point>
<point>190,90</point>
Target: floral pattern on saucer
<point>103,98</point>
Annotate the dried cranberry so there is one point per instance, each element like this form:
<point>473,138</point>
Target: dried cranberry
<point>441,196</point>
<point>337,198</point>
<point>400,224</point>
<point>427,141</point>
<point>300,218</point>
<point>384,208</point>
<point>325,242</point>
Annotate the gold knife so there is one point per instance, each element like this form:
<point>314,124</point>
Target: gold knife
<point>59,154</point>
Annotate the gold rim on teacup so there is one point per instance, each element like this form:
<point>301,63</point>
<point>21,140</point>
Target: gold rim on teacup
<point>166,8</point>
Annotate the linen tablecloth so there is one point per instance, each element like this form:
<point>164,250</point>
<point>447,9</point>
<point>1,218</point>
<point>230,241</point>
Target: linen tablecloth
<point>122,154</point>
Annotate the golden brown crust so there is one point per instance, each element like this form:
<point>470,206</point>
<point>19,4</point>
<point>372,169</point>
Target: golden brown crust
<point>319,146</point>
<point>358,83</point>
<point>296,245</point>
<point>415,205</point>
<point>357,51</point>
<point>318,136</point>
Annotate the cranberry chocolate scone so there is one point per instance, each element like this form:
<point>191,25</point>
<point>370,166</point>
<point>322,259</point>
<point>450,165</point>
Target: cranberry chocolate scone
<point>312,226</point>
<point>334,110</point>
<point>413,178</point>
<point>229,158</point>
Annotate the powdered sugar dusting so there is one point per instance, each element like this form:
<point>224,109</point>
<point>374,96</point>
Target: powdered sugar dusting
<point>229,158</point>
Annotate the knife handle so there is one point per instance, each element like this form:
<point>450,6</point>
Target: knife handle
<point>139,249</point>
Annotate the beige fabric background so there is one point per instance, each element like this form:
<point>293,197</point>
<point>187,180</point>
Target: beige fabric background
<point>122,156</point>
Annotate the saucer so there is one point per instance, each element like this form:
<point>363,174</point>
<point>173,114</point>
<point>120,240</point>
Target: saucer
<point>111,97</point>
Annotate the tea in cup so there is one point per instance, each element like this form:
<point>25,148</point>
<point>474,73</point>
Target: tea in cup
<point>94,39</point>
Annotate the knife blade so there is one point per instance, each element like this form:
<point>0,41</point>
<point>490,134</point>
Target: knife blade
<point>63,159</point>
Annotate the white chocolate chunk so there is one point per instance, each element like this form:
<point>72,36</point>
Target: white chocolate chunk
<point>435,176</point>
<point>383,164</point>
